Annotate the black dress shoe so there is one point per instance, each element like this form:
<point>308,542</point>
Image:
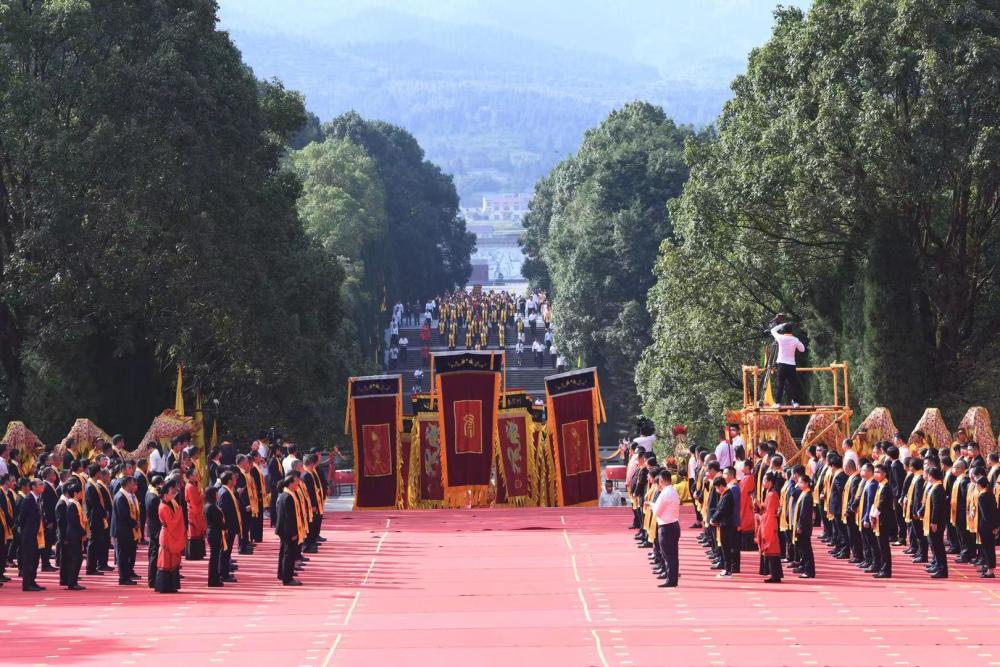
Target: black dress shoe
<point>293,582</point>
<point>32,589</point>
<point>772,580</point>
<point>75,587</point>
<point>49,568</point>
<point>939,575</point>
<point>668,584</point>
<point>217,584</point>
<point>229,580</point>
<point>987,575</point>
<point>106,568</point>
<point>95,573</point>
<point>882,575</point>
<point>718,567</point>
<point>126,582</point>
<point>807,576</point>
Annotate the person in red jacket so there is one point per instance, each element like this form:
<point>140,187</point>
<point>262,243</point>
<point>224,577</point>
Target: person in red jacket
<point>197,527</point>
<point>767,529</point>
<point>173,539</point>
<point>746,527</point>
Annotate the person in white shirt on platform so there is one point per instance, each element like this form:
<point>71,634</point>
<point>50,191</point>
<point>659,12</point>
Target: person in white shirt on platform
<point>610,497</point>
<point>667,508</point>
<point>157,462</point>
<point>788,345</point>
<point>519,349</point>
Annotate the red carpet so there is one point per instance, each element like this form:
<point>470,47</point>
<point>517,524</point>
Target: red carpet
<point>506,587</point>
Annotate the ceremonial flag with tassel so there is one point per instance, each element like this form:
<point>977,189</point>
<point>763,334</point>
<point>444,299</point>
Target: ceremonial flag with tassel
<point>179,397</point>
<point>467,389</point>
<point>575,408</point>
<point>517,478</point>
<point>425,488</point>
<point>374,421</point>
<point>214,442</point>
<point>198,436</point>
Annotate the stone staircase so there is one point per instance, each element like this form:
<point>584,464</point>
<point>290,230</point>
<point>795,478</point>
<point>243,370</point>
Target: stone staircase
<point>527,376</point>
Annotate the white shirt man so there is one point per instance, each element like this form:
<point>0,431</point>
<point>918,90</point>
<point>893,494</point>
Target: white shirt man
<point>692,465</point>
<point>519,348</point>
<point>667,506</point>
<point>725,454</point>
<point>851,455</point>
<point>788,345</point>
<point>561,362</point>
<point>3,461</point>
<point>645,441</point>
<point>610,497</point>
<point>157,462</point>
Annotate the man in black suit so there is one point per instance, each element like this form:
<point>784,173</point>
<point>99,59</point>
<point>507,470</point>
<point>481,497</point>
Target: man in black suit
<point>228,451</point>
<point>6,523</point>
<point>126,523</point>
<point>897,482</point>
<point>75,535</point>
<point>723,519</point>
<point>883,517</point>
<point>912,511</point>
<point>975,456</point>
<point>289,530</point>
<point>230,507</point>
<point>215,524</point>
<point>935,522</point>
<point>98,507</point>
<point>70,454</point>
<point>835,505</point>
<point>141,487</point>
<point>151,502</point>
<point>803,529</point>
<point>958,519</point>
<point>852,496</point>
<point>987,526</point>
<point>32,533</point>
<point>49,500</point>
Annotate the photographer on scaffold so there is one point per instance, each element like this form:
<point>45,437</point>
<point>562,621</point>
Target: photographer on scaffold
<point>788,346</point>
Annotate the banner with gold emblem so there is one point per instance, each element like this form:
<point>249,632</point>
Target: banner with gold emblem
<point>575,408</point>
<point>375,421</point>
<point>425,486</point>
<point>517,477</point>
<point>467,389</point>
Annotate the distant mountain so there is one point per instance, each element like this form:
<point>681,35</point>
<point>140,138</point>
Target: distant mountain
<point>496,109</point>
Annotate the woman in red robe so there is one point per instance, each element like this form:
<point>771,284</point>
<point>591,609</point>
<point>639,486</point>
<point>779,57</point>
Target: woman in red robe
<point>197,526</point>
<point>172,540</point>
<point>747,488</point>
<point>767,530</point>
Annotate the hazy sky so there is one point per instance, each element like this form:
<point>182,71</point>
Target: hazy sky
<point>669,34</point>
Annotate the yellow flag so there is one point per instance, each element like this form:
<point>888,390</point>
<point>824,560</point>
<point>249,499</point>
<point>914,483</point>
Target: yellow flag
<point>179,399</point>
<point>215,433</point>
<point>198,435</point>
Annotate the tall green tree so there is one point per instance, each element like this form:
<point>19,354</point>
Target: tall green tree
<point>144,219</point>
<point>853,183</point>
<point>592,236</point>
<point>429,249</point>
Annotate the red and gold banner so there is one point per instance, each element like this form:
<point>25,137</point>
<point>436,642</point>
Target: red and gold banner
<point>467,388</point>
<point>517,476</point>
<point>575,408</point>
<point>426,489</point>
<point>375,420</point>
<point>403,464</point>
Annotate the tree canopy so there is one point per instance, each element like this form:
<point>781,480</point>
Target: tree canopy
<point>852,181</point>
<point>144,219</point>
<point>592,235</point>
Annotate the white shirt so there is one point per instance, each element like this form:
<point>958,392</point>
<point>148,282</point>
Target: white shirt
<point>560,360</point>
<point>725,453</point>
<point>851,455</point>
<point>157,462</point>
<point>667,506</point>
<point>536,347</point>
<point>613,499</point>
<point>692,465</point>
<point>286,463</point>
<point>645,441</point>
<point>519,347</point>
<point>404,341</point>
<point>788,345</point>
<point>3,466</point>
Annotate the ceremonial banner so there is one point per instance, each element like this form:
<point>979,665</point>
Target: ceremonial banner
<point>575,408</point>
<point>467,389</point>
<point>425,487</point>
<point>375,421</point>
<point>517,476</point>
<point>403,464</point>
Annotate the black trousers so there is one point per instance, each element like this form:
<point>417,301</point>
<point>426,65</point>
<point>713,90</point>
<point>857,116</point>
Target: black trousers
<point>4,546</point>
<point>854,539</point>
<point>873,555</point>
<point>126,559</point>
<point>730,549</point>
<point>988,549</point>
<point>97,551</point>
<point>805,549</point>
<point>214,558</point>
<point>27,563</point>
<point>773,567</point>
<point>968,541</point>
<point>668,538</point>
<point>226,557</point>
<point>69,565</point>
<point>288,554</point>
<point>936,539</point>
<point>885,551</point>
<point>153,553</point>
<point>787,377</point>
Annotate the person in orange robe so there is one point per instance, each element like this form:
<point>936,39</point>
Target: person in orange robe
<point>172,540</point>
<point>197,526</point>
<point>748,485</point>
<point>767,529</point>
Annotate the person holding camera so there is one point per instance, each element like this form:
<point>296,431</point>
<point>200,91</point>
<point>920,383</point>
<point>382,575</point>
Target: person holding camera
<point>788,346</point>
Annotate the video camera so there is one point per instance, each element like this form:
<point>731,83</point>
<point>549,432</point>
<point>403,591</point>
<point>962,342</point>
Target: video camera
<point>275,436</point>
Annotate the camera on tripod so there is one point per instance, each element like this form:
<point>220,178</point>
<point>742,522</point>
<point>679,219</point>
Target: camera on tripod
<point>275,435</point>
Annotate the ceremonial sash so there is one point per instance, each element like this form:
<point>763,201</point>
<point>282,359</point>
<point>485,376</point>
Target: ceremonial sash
<point>928,508</point>
<point>908,501</point>
<point>100,499</point>
<point>859,515</point>
<point>301,524</point>
<point>320,491</point>
<point>953,514</point>
<point>876,525</point>
<point>133,511</point>
<point>84,525</point>
<point>847,495</point>
<point>306,505</point>
<point>236,504</point>
<point>7,530</point>
<point>783,514</point>
<point>795,517</point>
<point>971,511</point>
<point>251,487</point>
